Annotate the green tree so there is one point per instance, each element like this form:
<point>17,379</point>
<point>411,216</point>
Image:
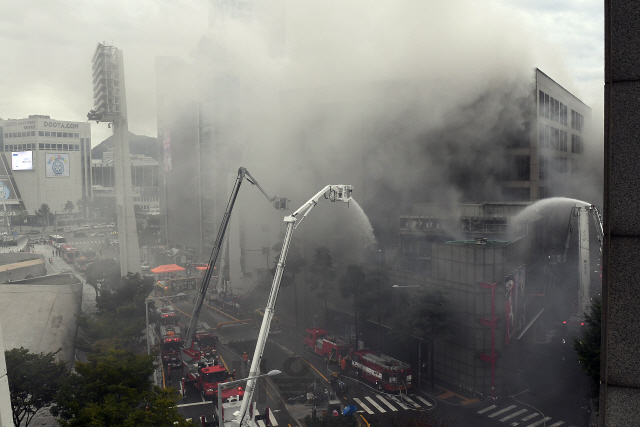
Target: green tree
<point>43,213</point>
<point>84,205</point>
<point>588,345</point>
<point>322,276</point>
<point>430,317</point>
<point>69,206</point>
<point>114,389</point>
<point>295,262</point>
<point>103,275</point>
<point>120,318</point>
<point>352,285</point>
<point>33,382</point>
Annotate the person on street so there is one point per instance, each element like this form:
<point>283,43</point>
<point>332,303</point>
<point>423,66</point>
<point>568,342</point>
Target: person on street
<point>343,366</point>
<point>245,357</point>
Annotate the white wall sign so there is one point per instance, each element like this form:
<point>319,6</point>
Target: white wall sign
<point>57,165</point>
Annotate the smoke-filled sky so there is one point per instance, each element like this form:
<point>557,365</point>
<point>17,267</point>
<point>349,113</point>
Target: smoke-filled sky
<point>47,47</point>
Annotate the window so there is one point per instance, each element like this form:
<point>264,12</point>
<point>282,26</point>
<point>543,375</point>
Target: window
<point>40,133</point>
<point>540,103</point>
<point>41,146</point>
<point>544,167</point>
<point>33,133</point>
<point>47,146</point>
<point>546,105</point>
<point>543,192</point>
<point>546,137</point>
<point>76,147</point>
<point>76,135</point>
<point>65,147</point>
<point>59,147</point>
<point>59,134</point>
<point>65,135</point>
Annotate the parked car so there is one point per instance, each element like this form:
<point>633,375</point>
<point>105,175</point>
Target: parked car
<point>33,232</point>
<point>100,235</point>
<point>112,225</point>
<point>84,227</point>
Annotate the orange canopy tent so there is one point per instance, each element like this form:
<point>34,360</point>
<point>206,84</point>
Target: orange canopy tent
<point>202,267</point>
<point>168,268</point>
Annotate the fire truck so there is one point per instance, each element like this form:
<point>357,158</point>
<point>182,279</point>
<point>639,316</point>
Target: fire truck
<point>205,375</point>
<point>171,341</point>
<point>384,371</point>
<point>206,340</point>
<point>167,316</point>
<point>326,346</point>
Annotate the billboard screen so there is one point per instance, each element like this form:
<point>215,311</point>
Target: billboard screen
<point>57,165</point>
<point>514,306</point>
<point>21,160</point>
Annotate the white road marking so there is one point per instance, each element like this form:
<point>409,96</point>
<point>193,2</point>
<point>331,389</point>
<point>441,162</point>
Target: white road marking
<point>530,416</point>
<point>488,408</point>
<point>515,414</point>
<point>399,402</point>
<point>408,399</point>
<point>374,403</point>
<point>502,411</point>
<point>557,424</point>
<point>545,419</point>
<point>365,407</point>
<point>424,401</point>
<point>386,402</point>
<point>272,419</point>
<point>261,423</point>
<point>514,424</point>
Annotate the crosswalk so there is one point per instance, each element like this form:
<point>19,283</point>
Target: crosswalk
<point>383,403</point>
<point>514,416</point>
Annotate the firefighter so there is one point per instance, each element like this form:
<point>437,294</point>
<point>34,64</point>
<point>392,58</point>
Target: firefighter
<point>245,357</point>
<point>343,366</point>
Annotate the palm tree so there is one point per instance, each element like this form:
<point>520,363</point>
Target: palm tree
<point>69,206</point>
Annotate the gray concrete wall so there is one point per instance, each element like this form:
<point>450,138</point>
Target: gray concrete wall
<point>620,369</point>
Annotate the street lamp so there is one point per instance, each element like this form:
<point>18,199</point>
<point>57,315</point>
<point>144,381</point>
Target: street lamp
<point>146,306</point>
<point>230,384</point>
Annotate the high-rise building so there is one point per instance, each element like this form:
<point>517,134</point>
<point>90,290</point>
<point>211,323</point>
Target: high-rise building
<point>541,166</point>
<point>44,161</point>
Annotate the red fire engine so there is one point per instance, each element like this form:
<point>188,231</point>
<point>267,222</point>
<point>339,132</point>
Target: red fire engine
<point>171,341</point>
<point>167,316</point>
<point>205,375</point>
<point>385,372</point>
<point>206,340</point>
<point>329,347</point>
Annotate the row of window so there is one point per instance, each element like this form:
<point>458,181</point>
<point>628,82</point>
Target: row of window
<point>552,108</point>
<point>552,165</point>
<point>145,199</point>
<point>576,144</point>
<point>577,121</point>
<point>42,133</point>
<point>550,137</point>
<point>42,146</point>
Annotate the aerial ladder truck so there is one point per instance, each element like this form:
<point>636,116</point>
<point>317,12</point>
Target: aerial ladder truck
<point>193,361</point>
<point>246,415</point>
<point>581,212</point>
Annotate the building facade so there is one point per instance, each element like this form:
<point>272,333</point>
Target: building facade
<point>541,167</point>
<point>45,161</point>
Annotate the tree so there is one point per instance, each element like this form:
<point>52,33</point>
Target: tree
<point>352,285</point>
<point>295,262</point>
<point>120,318</point>
<point>33,381</point>
<point>588,345</point>
<point>322,275</point>
<point>44,213</point>
<point>84,205</point>
<point>69,206</point>
<point>430,316</point>
<point>114,388</point>
<point>103,275</point>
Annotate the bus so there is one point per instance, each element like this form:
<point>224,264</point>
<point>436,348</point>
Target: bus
<point>56,240</point>
<point>68,253</point>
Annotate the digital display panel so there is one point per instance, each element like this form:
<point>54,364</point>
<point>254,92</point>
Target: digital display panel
<point>22,160</point>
